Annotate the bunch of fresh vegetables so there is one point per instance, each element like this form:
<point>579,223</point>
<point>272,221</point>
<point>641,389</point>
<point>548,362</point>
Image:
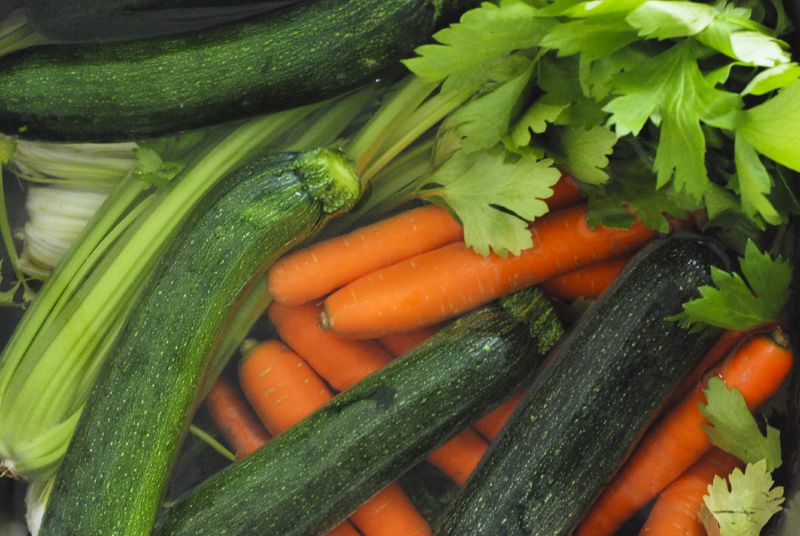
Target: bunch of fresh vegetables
<point>534,143</point>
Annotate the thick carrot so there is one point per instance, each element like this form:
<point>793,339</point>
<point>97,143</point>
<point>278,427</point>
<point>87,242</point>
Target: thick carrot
<point>344,529</point>
<point>390,513</point>
<point>491,424</point>
<point>284,390</point>
<point>234,418</point>
<point>313,272</point>
<point>401,343</point>
<point>678,441</point>
<point>437,285</point>
<point>587,282</point>
<point>344,362</point>
<point>341,362</point>
<point>280,386</point>
<point>676,512</point>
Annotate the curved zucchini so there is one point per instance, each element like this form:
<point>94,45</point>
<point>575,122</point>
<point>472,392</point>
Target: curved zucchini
<point>115,471</point>
<point>591,402</point>
<point>76,21</point>
<point>314,475</point>
<point>303,54</point>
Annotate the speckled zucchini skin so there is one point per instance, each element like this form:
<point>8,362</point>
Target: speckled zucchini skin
<point>312,476</point>
<point>80,21</point>
<point>590,403</point>
<point>130,89</point>
<point>115,471</point>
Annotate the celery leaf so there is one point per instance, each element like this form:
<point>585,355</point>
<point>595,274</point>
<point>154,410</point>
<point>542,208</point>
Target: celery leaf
<point>773,127</point>
<point>737,303</point>
<point>755,183</point>
<point>494,195</point>
<point>665,20</point>
<point>733,428</point>
<point>586,152</point>
<point>746,506</point>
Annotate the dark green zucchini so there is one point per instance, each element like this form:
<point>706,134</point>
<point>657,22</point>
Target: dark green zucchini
<point>71,21</point>
<point>303,54</point>
<point>115,471</point>
<point>311,477</point>
<point>590,403</point>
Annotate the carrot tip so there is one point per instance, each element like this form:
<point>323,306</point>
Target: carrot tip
<point>780,338</point>
<point>325,321</point>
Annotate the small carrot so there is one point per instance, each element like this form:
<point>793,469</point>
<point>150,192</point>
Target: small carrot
<point>280,386</point>
<point>587,282</point>
<point>437,285</point>
<point>344,362</point>
<point>565,193</point>
<point>676,512</point>
<point>401,343</point>
<point>284,390</point>
<point>491,424</point>
<point>313,272</point>
<point>341,362</point>
<point>678,441</point>
<point>390,513</point>
<point>234,418</point>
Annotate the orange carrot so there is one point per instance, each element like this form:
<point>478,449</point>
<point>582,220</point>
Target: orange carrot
<point>587,282</point>
<point>344,529</point>
<point>284,390</point>
<point>676,512</point>
<point>401,343</point>
<point>678,441</point>
<point>565,193</point>
<point>313,272</point>
<point>280,386</point>
<point>341,362</point>
<point>345,362</point>
<point>491,424</point>
<point>234,419</point>
<point>390,513</point>
<point>437,285</point>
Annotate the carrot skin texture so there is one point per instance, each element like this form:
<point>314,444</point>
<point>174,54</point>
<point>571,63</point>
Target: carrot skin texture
<point>345,362</point>
<point>299,326</point>
<point>234,418</point>
<point>401,343</point>
<point>437,285</point>
<point>587,282</point>
<point>390,513</point>
<point>285,390</point>
<point>676,512</point>
<point>323,267</point>
<point>757,369</point>
<point>491,425</point>
<point>565,193</point>
<point>345,529</point>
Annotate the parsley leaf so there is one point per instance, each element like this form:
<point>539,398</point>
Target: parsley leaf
<point>535,120</point>
<point>665,20</point>
<point>774,78</point>
<point>593,37</point>
<point>733,428</point>
<point>735,304</point>
<point>773,127</point>
<point>494,196</point>
<point>586,151</point>
<point>745,507</point>
<point>755,183</point>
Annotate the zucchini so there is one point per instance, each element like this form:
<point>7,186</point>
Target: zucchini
<point>142,88</point>
<point>591,402</point>
<point>115,470</point>
<point>314,475</point>
<point>70,21</point>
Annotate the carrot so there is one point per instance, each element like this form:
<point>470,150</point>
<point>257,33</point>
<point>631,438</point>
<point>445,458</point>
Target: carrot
<point>587,282</point>
<point>390,513</point>
<point>565,193</point>
<point>345,362</point>
<point>491,424</point>
<point>401,343</point>
<point>234,419</point>
<point>677,441</point>
<point>676,512</point>
<point>284,390</point>
<point>313,272</point>
<point>453,279</point>
<point>344,529</point>
<point>341,362</point>
<point>280,386</point>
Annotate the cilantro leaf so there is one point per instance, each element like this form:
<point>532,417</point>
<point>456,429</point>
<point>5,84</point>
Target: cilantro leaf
<point>735,304</point>
<point>586,152</point>
<point>483,34</point>
<point>773,127</point>
<point>664,20</point>
<point>755,183</point>
<point>745,507</point>
<point>493,196</point>
<point>733,428</point>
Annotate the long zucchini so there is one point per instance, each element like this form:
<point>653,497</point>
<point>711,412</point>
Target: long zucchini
<point>314,475</point>
<point>591,402</point>
<point>304,54</point>
<point>115,471</point>
<point>70,21</point>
